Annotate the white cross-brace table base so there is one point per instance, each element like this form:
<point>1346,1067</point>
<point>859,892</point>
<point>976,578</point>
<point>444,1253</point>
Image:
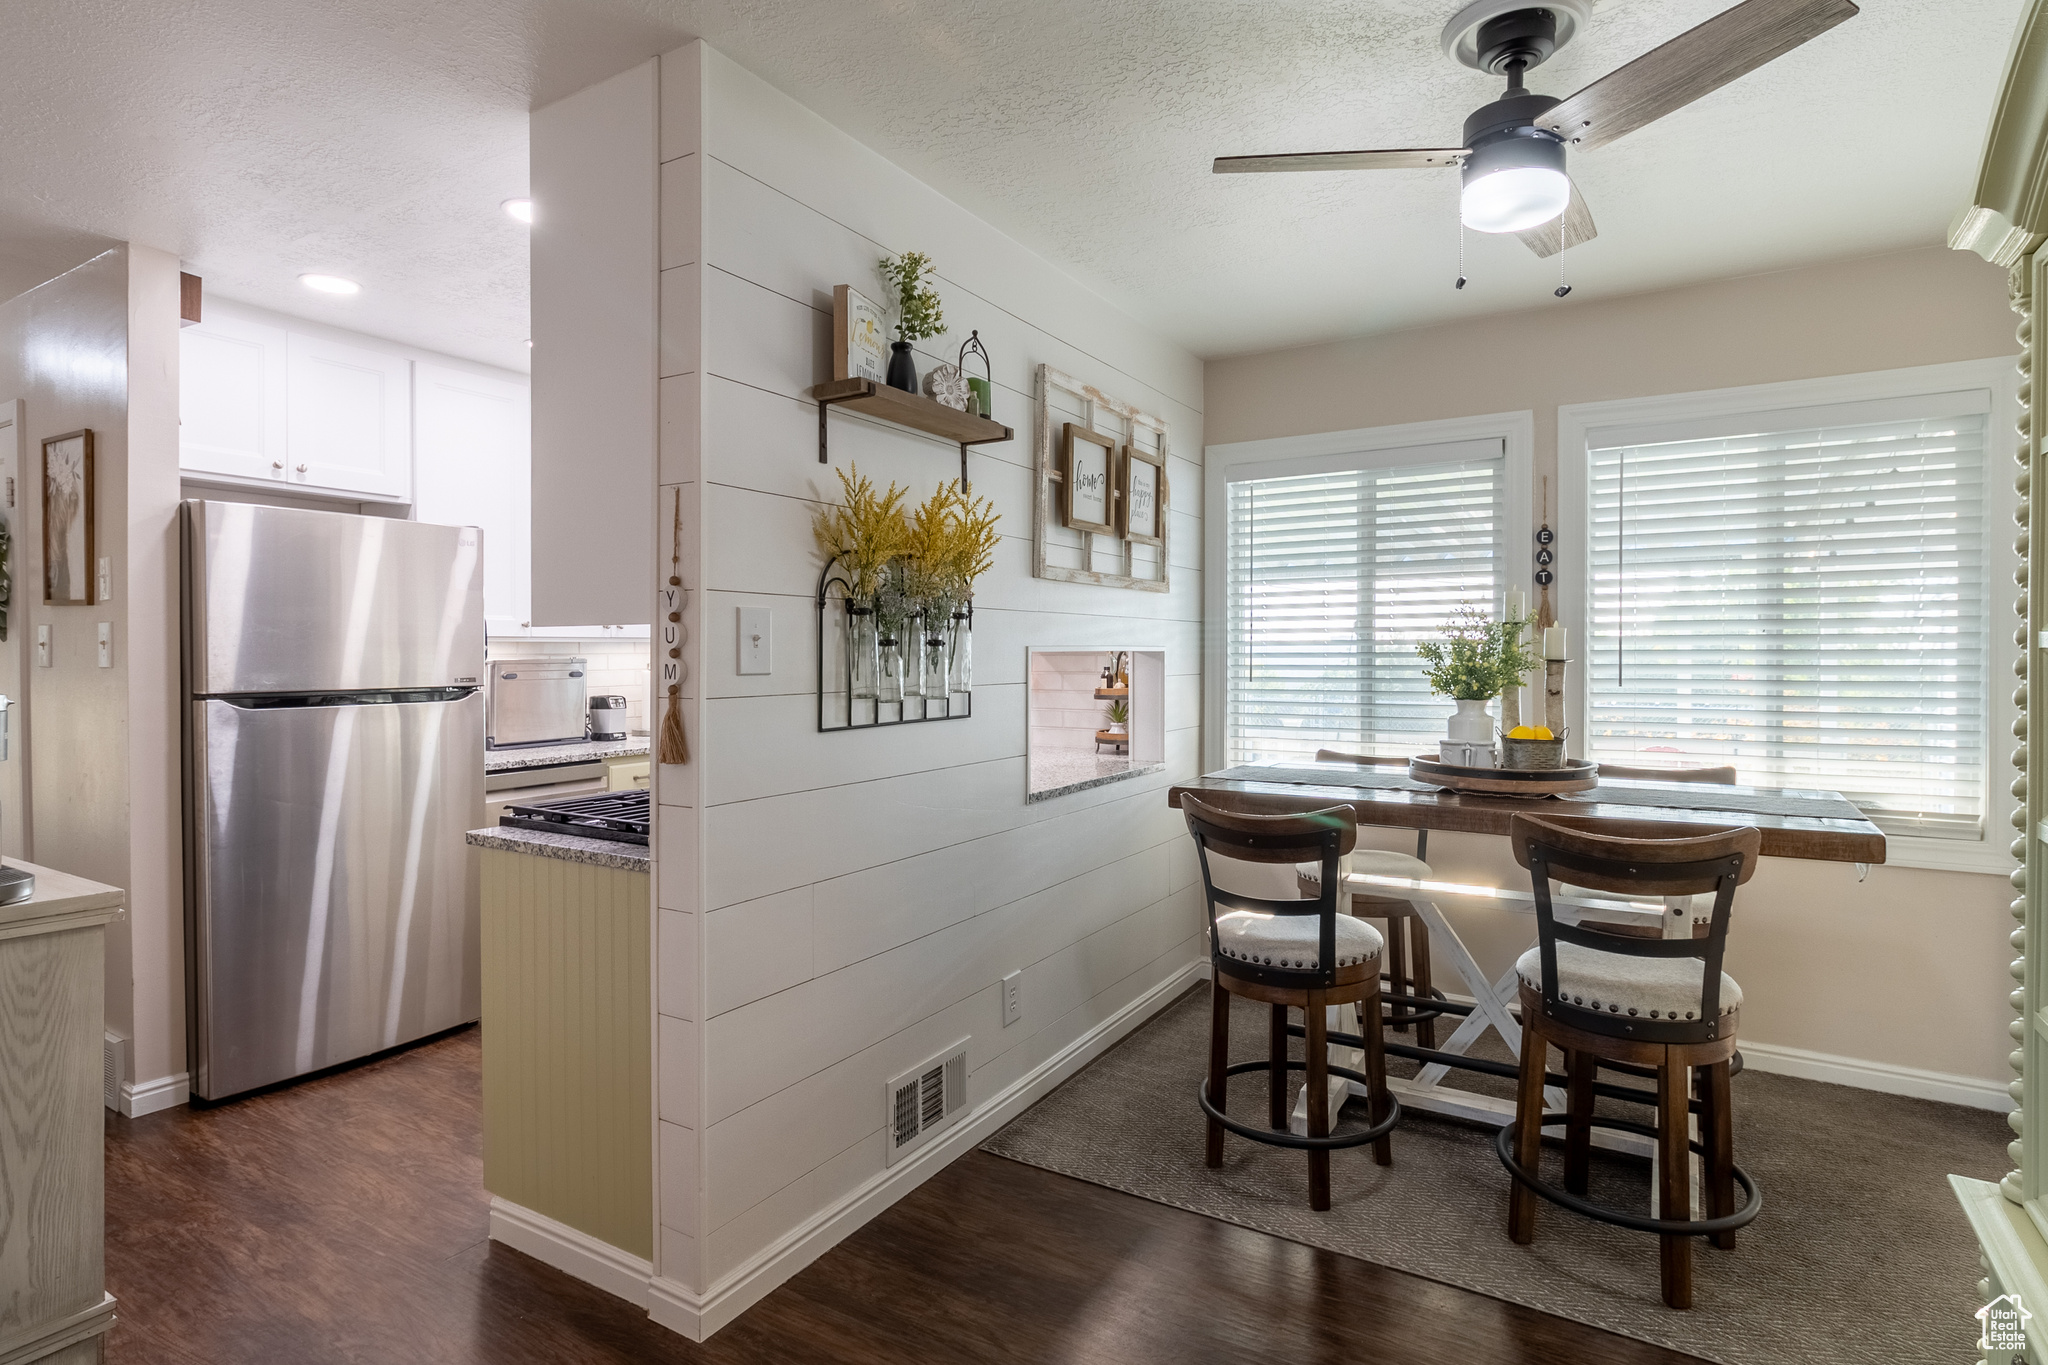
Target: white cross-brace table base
<point>1491,1000</point>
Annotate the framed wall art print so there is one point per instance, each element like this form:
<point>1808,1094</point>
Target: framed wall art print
<point>1144,500</point>
<point>1088,469</point>
<point>68,519</point>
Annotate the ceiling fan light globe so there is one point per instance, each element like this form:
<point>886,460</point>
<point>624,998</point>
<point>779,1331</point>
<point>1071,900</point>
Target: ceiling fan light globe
<point>1514,198</point>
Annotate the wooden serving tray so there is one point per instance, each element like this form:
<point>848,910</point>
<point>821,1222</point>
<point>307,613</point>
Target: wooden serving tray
<point>1577,775</point>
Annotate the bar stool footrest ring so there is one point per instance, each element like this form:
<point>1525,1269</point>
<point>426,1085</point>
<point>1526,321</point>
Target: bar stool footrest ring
<point>1281,1138</point>
<point>1503,1147</point>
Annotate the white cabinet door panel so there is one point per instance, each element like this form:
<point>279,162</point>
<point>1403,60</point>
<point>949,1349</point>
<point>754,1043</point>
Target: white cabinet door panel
<point>471,438</point>
<point>350,418</point>
<point>231,399</point>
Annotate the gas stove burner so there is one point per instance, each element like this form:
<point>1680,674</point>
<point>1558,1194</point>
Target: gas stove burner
<point>623,817</point>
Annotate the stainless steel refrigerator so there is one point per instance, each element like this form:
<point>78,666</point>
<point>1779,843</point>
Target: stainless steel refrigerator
<point>334,732</point>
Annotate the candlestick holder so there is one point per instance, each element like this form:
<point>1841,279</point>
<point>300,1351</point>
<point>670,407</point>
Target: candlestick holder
<point>1553,694</point>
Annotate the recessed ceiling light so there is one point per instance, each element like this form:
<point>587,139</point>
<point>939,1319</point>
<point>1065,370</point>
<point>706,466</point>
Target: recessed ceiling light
<point>330,284</point>
<point>522,209</point>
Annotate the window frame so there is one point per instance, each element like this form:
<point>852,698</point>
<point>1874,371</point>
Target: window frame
<point>1240,460</point>
<point>1581,426</point>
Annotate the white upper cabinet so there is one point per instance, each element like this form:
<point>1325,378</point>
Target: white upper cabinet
<point>259,402</point>
<point>231,399</point>
<point>472,468</point>
<point>349,418</point>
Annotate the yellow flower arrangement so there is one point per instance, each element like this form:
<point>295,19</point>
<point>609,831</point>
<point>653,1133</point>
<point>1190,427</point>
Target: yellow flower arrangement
<point>936,552</point>
<point>865,533</point>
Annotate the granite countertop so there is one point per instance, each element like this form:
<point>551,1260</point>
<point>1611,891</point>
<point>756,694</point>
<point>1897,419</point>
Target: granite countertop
<point>575,751</point>
<point>1056,772</point>
<point>570,848</point>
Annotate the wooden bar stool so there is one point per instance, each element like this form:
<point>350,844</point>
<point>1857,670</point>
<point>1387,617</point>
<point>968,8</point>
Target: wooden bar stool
<point>1291,954</point>
<point>1607,995</point>
<point>1408,970</point>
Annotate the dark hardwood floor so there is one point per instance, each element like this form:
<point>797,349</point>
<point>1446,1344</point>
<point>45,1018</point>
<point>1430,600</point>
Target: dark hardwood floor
<point>343,1220</point>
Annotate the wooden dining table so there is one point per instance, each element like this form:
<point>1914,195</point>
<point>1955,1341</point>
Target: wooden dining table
<point>1814,825</point>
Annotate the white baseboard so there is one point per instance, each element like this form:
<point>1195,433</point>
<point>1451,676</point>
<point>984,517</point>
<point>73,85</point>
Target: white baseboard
<point>573,1253</point>
<point>150,1097</point>
<point>697,1316</point>
<point>1947,1087</point>
<point>1886,1078</point>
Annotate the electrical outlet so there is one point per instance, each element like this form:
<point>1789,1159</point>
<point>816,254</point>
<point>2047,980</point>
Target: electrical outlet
<point>1013,998</point>
<point>106,644</point>
<point>42,646</point>
<point>755,638</point>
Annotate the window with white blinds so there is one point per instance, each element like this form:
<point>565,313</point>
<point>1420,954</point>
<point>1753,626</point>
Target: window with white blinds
<point>1335,574</point>
<point>1806,600</point>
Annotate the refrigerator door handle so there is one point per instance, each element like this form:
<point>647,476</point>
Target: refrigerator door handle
<point>284,701</point>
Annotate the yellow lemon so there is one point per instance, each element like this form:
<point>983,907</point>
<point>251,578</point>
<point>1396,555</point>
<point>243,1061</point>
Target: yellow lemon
<point>1521,732</point>
<point>1543,732</point>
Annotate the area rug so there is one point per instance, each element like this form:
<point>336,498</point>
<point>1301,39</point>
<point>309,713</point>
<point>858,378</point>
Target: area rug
<point>1860,1254</point>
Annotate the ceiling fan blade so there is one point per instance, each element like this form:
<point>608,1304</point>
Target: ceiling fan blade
<point>1696,62</point>
<point>1567,230</point>
<point>1394,159</point>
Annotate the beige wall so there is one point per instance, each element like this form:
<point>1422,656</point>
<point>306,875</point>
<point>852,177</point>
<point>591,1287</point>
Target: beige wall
<point>97,348</point>
<point>1907,970</point>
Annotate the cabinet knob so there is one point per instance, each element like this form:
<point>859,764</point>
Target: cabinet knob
<point>302,469</point>
<point>277,464</point>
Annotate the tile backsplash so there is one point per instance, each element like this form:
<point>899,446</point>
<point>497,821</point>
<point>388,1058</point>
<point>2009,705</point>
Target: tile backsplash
<point>613,668</point>
<point>1065,713</point>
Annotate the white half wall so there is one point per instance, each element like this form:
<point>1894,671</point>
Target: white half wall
<point>835,908</point>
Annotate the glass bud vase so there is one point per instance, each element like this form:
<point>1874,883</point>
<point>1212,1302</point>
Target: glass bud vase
<point>936,658</point>
<point>891,677</point>
<point>862,665</point>
<point>959,655</point>
<point>907,636</point>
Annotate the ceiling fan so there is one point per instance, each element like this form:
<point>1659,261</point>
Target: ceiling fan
<point>1513,152</point>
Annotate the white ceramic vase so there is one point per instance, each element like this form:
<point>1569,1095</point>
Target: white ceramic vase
<point>1471,723</point>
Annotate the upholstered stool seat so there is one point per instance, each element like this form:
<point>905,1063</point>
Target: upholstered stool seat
<point>1298,953</point>
<point>1658,1005</point>
<point>1646,988</point>
<point>1290,940</point>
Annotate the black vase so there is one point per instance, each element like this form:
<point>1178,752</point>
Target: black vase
<point>902,369</point>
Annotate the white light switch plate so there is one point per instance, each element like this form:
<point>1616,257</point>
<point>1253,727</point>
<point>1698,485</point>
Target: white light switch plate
<point>42,646</point>
<point>106,581</point>
<point>755,638</point>
<point>106,644</point>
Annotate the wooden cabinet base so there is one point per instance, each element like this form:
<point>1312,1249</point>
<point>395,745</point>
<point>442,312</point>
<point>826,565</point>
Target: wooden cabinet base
<point>53,1299</point>
<point>568,1014</point>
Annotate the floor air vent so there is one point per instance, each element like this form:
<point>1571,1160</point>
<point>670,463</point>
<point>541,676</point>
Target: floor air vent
<point>925,1099</point>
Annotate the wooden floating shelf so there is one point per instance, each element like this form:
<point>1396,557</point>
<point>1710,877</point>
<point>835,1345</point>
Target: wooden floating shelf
<point>1109,693</point>
<point>911,410</point>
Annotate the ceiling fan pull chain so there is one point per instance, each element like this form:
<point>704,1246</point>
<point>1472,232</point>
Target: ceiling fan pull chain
<point>1461,253</point>
<point>1562,287</point>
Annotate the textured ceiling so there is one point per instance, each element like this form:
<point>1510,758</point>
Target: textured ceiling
<point>376,138</point>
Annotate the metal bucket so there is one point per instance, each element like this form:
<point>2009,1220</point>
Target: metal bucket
<point>1532,755</point>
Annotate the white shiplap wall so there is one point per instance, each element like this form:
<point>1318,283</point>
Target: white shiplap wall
<point>838,907</point>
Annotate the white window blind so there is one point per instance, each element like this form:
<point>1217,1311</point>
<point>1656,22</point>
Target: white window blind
<point>1334,577</point>
<point>1809,604</point>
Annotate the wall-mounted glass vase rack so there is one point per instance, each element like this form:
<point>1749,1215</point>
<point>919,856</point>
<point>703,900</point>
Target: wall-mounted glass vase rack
<point>873,671</point>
